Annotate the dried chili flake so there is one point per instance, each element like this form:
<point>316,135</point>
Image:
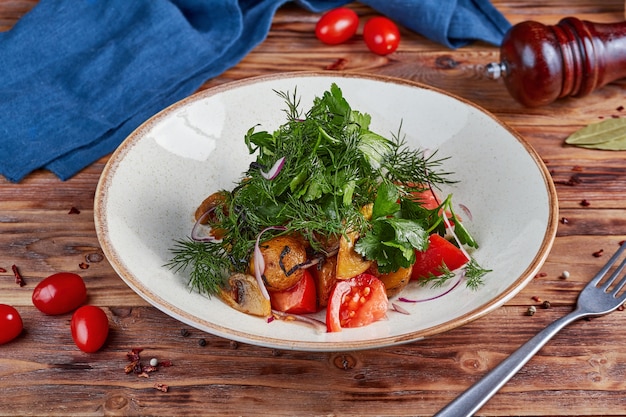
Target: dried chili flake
<point>338,65</point>
<point>133,355</point>
<point>74,210</point>
<point>161,387</point>
<point>577,168</point>
<point>564,220</point>
<point>536,298</point>
<point>148,369</point>
<point>2,270</point>
<point>585,203</point>
<point>131,367</point>
<point>165,364</point>
<point>571,181</point>
<point>143,375</point>
<point>83,265</point>
<point>541,275</point>
<point>19,279</point>
<point>598,253</point>
<point>620,108</point>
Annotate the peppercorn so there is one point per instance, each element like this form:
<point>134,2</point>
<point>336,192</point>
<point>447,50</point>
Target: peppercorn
<point>546,304</point>
<point>202,342</point>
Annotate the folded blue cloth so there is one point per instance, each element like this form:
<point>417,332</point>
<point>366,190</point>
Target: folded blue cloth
<point>78,76</point>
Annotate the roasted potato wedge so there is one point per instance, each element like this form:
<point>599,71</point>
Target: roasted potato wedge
<point>282,256</point>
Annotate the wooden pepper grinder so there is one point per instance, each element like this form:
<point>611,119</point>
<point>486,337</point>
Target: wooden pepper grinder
<point>541,63</point>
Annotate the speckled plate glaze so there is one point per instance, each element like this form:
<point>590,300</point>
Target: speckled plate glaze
<point>155,180</point>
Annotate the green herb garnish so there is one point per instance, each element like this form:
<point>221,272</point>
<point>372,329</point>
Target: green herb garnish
<point>333,167</point>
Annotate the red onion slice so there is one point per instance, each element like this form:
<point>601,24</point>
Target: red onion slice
<point>195,231</point>
<point>434,297</point>
<point>274,170</point>
<point>320,326</point>
<point>259,262</point>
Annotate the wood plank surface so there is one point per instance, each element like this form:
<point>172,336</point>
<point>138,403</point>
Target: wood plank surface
<point>581,372</point>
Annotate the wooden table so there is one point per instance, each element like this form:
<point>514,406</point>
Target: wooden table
<point>580,372</point>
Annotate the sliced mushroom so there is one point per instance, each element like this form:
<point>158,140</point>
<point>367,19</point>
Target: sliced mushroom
<point>245,295</point>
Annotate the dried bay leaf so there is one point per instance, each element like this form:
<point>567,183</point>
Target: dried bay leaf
<point>609,134</point>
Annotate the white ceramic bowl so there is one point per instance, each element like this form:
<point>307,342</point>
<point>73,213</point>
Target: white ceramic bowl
<point>155,180</point>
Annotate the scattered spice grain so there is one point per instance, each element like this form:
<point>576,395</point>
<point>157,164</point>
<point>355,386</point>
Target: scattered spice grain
<point>531,310</point>
<point>74,210</point>
<point>202,342</point>
<point>546,304</point>
<point>565,274</point>
<point>585,203</point>
<point>598,253</point>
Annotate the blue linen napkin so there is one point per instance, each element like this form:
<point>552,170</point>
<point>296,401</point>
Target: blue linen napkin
<point>78,77</point>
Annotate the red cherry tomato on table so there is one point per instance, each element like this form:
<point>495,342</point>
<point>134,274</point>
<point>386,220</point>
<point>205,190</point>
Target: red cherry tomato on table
<point>440,251</point>
<point>90,328</point>
<point>381,35</point>
<point>337,26</point>
<point>60,293</point>
<point>299,299</point>
<point>10,323</point>
<point>356,302</point>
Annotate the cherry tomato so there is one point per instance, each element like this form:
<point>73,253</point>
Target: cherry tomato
<point>439,252</point>
<point>381,35</point>
<point>60,293</point>
<point>90,328</point>
<point>337,26</point>
<point>10,323</point>
<point>356,302</point>
<point>299,299</point>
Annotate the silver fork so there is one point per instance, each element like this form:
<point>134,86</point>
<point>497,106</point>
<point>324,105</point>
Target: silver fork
<point>596,299</point>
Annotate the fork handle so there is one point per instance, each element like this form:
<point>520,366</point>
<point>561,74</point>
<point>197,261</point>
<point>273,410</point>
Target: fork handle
<point>470,401</point>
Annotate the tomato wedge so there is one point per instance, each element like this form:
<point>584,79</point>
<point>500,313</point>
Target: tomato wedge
<point>299,299</point>
<point>356,302</point>
<point>440,251</point>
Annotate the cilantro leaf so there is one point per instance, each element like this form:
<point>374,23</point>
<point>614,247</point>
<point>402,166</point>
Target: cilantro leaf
<point>392,243</point>
<point>386,202</point>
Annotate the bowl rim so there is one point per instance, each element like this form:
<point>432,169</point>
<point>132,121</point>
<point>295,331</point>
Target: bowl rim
<point>100,220</point>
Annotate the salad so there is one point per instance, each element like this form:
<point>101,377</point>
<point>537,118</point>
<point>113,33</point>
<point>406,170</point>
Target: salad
<point>330,215</point>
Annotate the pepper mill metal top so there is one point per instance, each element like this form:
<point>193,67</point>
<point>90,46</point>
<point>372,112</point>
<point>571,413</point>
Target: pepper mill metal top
<point>540,64</point>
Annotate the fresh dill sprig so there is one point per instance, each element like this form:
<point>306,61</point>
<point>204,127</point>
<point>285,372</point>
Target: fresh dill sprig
<point>207,265</point>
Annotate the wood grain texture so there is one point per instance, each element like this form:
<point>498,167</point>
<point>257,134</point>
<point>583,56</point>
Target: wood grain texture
<point>581,372</point>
